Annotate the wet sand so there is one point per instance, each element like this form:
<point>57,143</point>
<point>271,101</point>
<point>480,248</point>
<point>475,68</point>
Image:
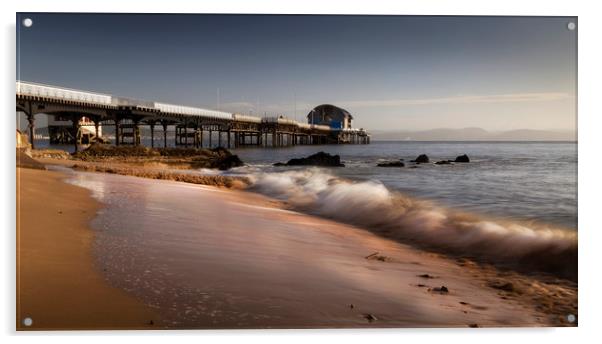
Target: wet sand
<point>208,257</point>
<point>58,285</point>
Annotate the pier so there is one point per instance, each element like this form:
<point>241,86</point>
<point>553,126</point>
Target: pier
<point>231,130</point>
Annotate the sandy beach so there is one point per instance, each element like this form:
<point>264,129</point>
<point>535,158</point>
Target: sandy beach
<point>190,256</point>
<point>58,285</point>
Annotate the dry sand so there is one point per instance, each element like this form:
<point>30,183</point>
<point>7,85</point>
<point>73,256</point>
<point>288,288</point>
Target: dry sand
<point>58,286</point>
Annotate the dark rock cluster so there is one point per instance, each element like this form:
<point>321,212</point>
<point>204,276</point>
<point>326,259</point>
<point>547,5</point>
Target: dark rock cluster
<point>318,159</point>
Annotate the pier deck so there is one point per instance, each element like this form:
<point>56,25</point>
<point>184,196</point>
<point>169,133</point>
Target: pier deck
<point>127,115</point>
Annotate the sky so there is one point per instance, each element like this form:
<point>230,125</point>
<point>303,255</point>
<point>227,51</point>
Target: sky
<point>390,72</point>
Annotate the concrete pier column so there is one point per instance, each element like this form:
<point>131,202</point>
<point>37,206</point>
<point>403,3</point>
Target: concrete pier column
<point>117,131</point>
<point>164,134</point>
<point>96,124</point>
<point>152,130</point>
<point>186,135</point>
<point>210,137</point>
<point>76,128</point>
<point>201,137</point>
<point>31,127</point>
<point>136,134</point>
<point>228,132</point>
<point>219,138</point>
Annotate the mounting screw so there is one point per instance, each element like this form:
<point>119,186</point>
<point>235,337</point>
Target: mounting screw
<point>27,22</point>
<point>28,321</point>
<point>571,26</point>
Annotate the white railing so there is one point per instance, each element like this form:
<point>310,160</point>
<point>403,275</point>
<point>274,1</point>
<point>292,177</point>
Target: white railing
<point>246,118</point>
<point>191,111</point>
<point>121,101</point>
<point>280,120</point>
<point>320,127</point>
<point>60,93</point>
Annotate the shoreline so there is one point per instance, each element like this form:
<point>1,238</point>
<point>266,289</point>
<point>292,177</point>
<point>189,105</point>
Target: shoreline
<point>527,292</point>
<point>58,284</point>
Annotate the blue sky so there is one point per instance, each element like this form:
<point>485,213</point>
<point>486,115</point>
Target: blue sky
<point>391,72</point>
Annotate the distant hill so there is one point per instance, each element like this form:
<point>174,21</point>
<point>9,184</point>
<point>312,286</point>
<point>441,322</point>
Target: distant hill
<point>473,134</point>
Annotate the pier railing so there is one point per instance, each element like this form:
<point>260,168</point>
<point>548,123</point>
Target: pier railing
<point>128,113</point>
<point>61,93</point>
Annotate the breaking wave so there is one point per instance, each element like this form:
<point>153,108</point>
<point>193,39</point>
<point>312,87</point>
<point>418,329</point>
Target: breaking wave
<point>527,246</point>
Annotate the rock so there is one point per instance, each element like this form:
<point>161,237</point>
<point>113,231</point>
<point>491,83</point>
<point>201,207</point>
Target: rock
<point>318,159</point>
<point>505,286</point>
<point>370,317</point>
<point>279,164</point>
<point>462,158</point>
<point>426,276</point>
<point>25,161</point>
<point>473,325</point>
<point>391,164</point>
<point>376,256</point>
<point>443,289</point>
<point>421,159</point>
<point>227,162</point>
<point>443,162</point>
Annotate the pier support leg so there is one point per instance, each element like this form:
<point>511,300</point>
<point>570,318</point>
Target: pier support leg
<point>96,124</point>
<point>219,138</point>
<point>76,132</point>
<point>210,137</point>
<point>164,134</point>
<point>31,127</point>
<point>136,134</point>
<point>186,135</point>
<point>117,131</point>
<point>152,130</point>
<point>228,132</point>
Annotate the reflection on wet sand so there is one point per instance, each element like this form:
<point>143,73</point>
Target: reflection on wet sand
<point>212,258</point>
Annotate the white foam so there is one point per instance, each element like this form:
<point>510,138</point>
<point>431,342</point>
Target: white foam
<point>372,205</point>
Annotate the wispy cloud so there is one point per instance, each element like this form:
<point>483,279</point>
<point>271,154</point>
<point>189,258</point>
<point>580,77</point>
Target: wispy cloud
<point>468,99</point>
<point>304,107</point>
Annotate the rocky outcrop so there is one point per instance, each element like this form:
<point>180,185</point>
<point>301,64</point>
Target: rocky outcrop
<point>462,158</point>
<point>421,159</point>
<point>26,161</point>
<point>393,163</point>
<point>318,159</point>
<point>443,162</point>
<point>219,157</point>
<point>227,162</point>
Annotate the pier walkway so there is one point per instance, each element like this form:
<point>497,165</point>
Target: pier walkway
<point>127,115</point>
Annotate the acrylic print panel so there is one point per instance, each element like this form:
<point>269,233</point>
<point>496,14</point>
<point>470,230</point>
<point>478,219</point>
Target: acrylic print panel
<point>288,171</point>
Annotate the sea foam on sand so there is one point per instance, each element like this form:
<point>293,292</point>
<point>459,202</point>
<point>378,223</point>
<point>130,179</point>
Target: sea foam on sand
<point>371,205</point>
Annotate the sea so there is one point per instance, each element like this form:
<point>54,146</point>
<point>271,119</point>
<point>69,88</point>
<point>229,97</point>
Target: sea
<point>534,181</point>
